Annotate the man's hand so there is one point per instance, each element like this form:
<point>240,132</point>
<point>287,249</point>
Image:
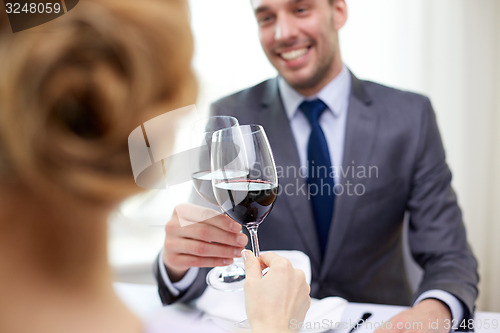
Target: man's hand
<point>428,316</point>
<point>200,237</point>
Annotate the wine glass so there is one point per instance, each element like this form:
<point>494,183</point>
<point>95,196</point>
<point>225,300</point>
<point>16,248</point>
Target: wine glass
<point>227,278</point>
<point>244,177</point>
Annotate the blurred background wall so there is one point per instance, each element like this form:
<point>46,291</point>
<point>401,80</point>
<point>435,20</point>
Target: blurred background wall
<point>447,49</point>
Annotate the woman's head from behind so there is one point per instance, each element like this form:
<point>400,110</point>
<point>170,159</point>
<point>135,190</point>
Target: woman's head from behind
<point>72,90</point>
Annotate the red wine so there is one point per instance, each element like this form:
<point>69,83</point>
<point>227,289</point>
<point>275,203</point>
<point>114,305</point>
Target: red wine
<point>246,201</point>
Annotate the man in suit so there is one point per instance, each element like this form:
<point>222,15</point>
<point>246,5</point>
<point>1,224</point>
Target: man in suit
<point>387,159</point>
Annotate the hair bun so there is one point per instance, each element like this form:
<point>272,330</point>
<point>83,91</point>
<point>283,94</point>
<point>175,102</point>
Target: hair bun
<point>70,96</point>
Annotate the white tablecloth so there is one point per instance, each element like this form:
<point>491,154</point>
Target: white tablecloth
<point>143,300</point>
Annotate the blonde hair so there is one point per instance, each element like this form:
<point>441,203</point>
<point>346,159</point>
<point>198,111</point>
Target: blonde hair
<point>72,90</point>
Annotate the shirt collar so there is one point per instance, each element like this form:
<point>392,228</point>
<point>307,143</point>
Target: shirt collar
<point>335,94</point>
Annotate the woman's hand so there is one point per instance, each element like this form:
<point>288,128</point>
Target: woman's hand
<point>276,298</point>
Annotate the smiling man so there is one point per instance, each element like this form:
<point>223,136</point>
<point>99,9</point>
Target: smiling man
<point>300,40</point>
<point>384,158</point>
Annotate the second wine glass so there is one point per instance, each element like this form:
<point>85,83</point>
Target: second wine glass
<point>226,278</point>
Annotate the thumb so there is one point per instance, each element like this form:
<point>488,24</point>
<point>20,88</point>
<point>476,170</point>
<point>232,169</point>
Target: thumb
<point>252,265</point>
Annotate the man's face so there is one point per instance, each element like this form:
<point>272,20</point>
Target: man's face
<point>300,39</point>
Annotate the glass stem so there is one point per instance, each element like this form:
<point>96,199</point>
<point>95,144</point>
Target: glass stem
<point>254,239</point>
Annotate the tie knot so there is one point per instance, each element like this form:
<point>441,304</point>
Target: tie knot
<point>313,109</point>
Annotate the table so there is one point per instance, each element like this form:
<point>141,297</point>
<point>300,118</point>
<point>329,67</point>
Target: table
<point>143,300</point>
<point>486,322</point>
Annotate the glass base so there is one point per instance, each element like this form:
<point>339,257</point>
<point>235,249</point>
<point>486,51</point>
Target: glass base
<point>227,278</point>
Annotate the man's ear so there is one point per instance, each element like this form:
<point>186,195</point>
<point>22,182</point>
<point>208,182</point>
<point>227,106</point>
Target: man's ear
<point>339,8</point>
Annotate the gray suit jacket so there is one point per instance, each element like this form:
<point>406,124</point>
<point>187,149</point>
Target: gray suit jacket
<point>394,159</point>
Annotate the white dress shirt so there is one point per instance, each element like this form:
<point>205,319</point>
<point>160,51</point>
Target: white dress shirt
<point>332,121</point>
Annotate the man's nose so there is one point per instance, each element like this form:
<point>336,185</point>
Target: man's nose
<point>285,28</point>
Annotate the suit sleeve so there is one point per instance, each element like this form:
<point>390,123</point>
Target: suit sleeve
<point>437,235</point>
<point>194,291</point>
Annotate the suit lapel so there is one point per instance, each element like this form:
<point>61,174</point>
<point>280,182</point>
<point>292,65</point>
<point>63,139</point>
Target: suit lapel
<point>361,129</point>
<point>280,135</point>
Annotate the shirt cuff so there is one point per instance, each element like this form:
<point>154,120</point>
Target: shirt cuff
<point>176,288</point>
<point>456,307</point>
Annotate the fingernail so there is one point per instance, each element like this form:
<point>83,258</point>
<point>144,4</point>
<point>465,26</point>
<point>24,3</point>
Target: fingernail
<point>235,226</point>
<point>244,255</point>
<point>228,262</point>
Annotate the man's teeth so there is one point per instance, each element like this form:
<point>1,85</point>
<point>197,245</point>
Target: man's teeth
<point>295,54</point>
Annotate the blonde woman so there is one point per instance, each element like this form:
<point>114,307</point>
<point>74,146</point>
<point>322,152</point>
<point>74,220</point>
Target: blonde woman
<point>71,91</point>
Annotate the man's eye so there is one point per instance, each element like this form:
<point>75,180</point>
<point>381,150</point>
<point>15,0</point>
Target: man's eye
<point>301,10</point>
<point>265,19</point>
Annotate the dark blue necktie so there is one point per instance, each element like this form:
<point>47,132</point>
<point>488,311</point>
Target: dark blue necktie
<point>320,173</point>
